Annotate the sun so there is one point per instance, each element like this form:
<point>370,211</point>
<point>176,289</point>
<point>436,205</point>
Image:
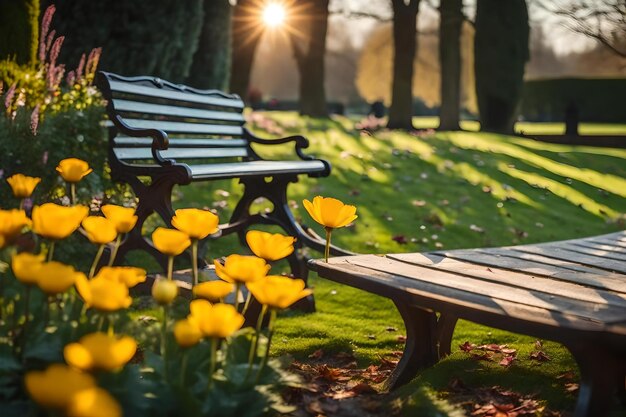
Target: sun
<point>274,14</point>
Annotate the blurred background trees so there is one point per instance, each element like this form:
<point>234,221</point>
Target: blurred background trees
<point>19,29</point>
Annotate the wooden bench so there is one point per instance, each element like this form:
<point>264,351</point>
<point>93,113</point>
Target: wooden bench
<point>162,134</point>
<point>572,292</point>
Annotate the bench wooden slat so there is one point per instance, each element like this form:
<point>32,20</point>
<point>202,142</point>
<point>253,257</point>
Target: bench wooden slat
<point>182,127</point>
<point>599,246</point>
<point>182,153</point>
<point>569,247</point>
<point>121,105</point>
<point>605,241</point>
<point>515,279</point>
<point>255,168</point>
<point>167,94</point>
<point>416,276</point>
<point>588,260</point>
<point>125,141</point>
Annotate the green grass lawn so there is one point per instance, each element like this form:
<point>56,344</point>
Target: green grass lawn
<point>445,190</point>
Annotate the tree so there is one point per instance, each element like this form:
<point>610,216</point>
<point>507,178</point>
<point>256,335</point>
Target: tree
<point>309,48</point>
<point>450,28</point>
<point>501,52</point>
<point>405,46</point>
<point>211,62</point>
<point>246,34</point>
<point>19,30</point>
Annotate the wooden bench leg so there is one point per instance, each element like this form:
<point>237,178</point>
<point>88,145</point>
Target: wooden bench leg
<point>599,373</point>
<point>445,330</point>
<point>420,349</point>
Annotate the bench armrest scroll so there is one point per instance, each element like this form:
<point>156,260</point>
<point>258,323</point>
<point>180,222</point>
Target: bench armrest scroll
<point>300,143</point>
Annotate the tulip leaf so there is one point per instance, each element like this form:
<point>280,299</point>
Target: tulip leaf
<point>45,347</point>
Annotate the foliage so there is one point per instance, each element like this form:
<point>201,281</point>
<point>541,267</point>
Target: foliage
<point>501,52</point>
<point>19,27</point>
<point>139,37</point>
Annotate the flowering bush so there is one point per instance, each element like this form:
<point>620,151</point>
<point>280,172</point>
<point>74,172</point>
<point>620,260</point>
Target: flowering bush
<point>70,347</point>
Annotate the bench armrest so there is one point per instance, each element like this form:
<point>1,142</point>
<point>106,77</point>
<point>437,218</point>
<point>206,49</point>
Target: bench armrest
<point>300,143</point>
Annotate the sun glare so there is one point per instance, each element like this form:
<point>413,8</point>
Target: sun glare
<point>274,14</point>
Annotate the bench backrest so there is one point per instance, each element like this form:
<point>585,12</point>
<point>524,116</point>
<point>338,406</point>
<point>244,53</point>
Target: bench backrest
<point>189,123</point>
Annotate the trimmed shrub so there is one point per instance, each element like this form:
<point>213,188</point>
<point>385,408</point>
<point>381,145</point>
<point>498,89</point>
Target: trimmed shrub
<point>19,30</point>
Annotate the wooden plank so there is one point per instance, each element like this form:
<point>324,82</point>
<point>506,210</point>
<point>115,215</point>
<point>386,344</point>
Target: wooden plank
<point>566,246</point>
<point>182,127</point>
<point>417,275</point>
<point>182,142</point>
<point>515,279</point>
<point>121,105</point>
<point>612,242</point>
<point>598,246</point>
<point>182,153</point>
<point>255,168</point>
<point>588,260</point>
<point>471,306</point>
<point>540,265</point>
<point>124,87</point>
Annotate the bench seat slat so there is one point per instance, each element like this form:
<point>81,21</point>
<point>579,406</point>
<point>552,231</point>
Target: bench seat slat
<point>129,88</point>
<point>176,111</point>
<point>579,258</point>
<point>182,153</point>
<point>182,127</point>
<point>255,168</point>
<point>599,246</point>
<point>575,249</point>
<point>124,141</point>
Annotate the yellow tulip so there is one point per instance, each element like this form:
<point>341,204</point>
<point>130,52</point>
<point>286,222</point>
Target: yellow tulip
<point>100,351</point>
<point>100,230</point>
<point>93,402</point>
<point>25,267</point>
<point>197,223</point>
<point>330,212</point>
<point>23,185</point>
<point>217,321</point>
<point>164,291</point>
<point>123,217</point>
<point>128,275</point>
<point>57,222</point>
<point>268,246</point>
<point>278,292</point>
<point>55,278</point>
<point>241,269</point>
<point>55,387</point>
<point>103,294</point>
<point>187,333</point>
<point>213,291</point>
<point>11,224</point>
<point>170,242</point>
<point>73,169</point>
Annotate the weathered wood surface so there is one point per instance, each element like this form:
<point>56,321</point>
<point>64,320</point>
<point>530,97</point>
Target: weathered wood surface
<point>573,292</point>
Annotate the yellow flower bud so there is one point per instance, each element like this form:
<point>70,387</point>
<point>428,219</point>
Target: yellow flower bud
<point>22,185</point>
<point>164,291</point>
<point>73,169</point>
<point>187,333</point>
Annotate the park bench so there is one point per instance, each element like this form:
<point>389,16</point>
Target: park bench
<point>163,134</point>
<point>572,292</point>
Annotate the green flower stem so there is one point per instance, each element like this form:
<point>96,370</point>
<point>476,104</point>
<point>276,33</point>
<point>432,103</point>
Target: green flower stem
<point>213,360</point>
<point>247,303</point>
<point>101,322</point>
<point>118,241</point>
<point>26,315</point>
<point>50,251</point>
<point>22,203</point>
<point>183,367</point>
<point>270,333</point>
<point>170,267</point>
<point>194,261</point>
<point>72,193</point>
<point>92,271</point>
<point>255,343</point>
<point>237,288</point>
<point>329,231</point>
<point>164,341</point>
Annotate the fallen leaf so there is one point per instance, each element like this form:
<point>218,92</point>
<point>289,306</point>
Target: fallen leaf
<point>401,339</point>
<point>317,354</point>
<point>418,203</point>
<point>467,346</point>
<point>571,387</point>
<point>507,360</point>
<point>391,329</point>
<point>539,356</point>
<point>401,239</point>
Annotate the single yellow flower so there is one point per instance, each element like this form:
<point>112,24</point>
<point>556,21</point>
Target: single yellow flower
<point>23,185</point>
<point>12,222</point>
<point>103,294</point>
<point>128,275</point>
<point>217,321</point>
<point>123,217</point>
<point>197,223</point>
<point>213,291</point>
<point>55,387</point>
<point>278,292</point>
<point>73,169</point>
<point>164,290</point>
<point>55,278</point>
<point>241,269</point>
<point>187,333</point>
<point>100,351</point>
<point>25,267</point>
<point>93,402</point>
<point>170,242</point>
<point>330,212</point>
<point>268,246</point>
<point>57,222</point>
<point>100,230</point>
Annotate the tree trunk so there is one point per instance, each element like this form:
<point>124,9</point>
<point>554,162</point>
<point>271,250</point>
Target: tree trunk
<point>309,54</point>
<point>405,48</point>
<point>501,52</point>
<point>246,34</point>
<point>211,62</point>
<point>450,26</point>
